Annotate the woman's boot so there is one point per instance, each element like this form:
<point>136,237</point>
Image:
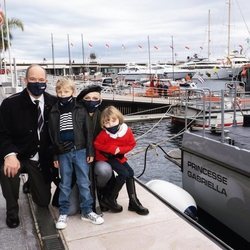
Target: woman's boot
<point>109,200</point>
<point>134,203</point>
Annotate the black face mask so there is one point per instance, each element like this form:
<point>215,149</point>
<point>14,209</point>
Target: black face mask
<point>91,106</point>
<point>36,88</point>
<point>114,129</point>
<point>65,100</point>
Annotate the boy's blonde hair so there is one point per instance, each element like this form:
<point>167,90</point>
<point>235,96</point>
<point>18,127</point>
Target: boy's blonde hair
<point>65,82</point>
<point>109,113</point>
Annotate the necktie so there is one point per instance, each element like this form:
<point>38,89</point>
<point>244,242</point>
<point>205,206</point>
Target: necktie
<point>40,117</point>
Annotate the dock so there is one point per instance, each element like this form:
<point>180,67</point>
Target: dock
<point>161,229</point>
<point>24,237</point>
<point>147,117</point>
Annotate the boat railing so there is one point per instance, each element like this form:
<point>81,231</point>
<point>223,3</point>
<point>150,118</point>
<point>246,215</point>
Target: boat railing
<point>204,102</point>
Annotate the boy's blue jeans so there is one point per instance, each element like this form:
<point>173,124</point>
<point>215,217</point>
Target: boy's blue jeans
<point>76,159</point>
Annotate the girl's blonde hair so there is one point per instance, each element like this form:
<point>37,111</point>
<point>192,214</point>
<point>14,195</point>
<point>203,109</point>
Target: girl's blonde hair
<point>65,82</point>
<point>109,113</point>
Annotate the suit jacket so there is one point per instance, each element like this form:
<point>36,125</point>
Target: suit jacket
<point>82,129</point>
<point>18,128</point>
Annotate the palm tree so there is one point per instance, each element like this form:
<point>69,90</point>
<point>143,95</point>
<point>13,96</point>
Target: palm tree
<point>13,23</point>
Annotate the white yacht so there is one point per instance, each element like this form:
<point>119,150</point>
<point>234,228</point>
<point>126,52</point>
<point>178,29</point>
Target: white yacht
<point>208,69</point>
<point>224,69</point>
<point>135,72</point>
<point>236,61</point>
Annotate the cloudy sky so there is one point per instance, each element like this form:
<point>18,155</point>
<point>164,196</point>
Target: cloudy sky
<point>119,31</point>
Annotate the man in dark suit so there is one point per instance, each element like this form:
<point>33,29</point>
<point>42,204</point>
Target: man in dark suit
<point>25,144</point>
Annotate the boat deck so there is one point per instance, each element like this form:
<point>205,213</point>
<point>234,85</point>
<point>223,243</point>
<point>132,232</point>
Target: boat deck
<point>239,135</point>
<point>161,229</point>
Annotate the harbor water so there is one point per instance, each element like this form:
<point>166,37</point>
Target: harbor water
<point>157,166</point>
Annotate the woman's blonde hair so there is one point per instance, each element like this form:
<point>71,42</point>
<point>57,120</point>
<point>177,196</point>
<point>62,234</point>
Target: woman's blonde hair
<point>109,113</point>
<point>65,82</point>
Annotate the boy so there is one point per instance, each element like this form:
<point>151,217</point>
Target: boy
<point>71,135</point>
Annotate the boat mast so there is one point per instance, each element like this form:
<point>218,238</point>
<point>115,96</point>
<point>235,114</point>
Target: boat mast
<point>229,22</point>
<point>69,54</point>
<point>209,40</point>
<point>149,57</point>
<point>172,47</point>
<point>53,54</point>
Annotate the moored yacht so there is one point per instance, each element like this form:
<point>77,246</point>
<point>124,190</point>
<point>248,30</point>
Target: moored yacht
<point>208,69</point>
<point>135,72</point>
<point>221,69</point>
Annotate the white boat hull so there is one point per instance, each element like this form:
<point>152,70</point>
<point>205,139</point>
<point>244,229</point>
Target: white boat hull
<point>215,74</point>
<point>219,186</point>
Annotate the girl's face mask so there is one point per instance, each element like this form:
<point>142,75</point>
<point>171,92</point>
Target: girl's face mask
<point>114,129</point>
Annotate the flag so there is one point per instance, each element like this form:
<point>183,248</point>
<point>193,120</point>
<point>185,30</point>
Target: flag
<point>139,46</point>
<point>200,79</point>
<point>90,45</point>
<point>241,48</point>
<point>1,16</point>
<point>186,47</point>
<point>216,69</point>
<point>123,46</point>
<point>156,47</point>
<point>72,44</point>
<point>171,47</point>
<point>107,45</point>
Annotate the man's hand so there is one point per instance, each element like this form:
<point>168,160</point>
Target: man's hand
<point>56,164</point>
<point>11,165</point>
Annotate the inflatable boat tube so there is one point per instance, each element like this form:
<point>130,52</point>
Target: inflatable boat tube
<point>176,196</point>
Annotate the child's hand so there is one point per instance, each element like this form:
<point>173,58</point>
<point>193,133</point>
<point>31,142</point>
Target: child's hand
<point>90,159</point>
<point>56,164</point>
<point>117,151</point>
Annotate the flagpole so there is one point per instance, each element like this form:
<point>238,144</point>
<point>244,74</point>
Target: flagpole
<point>149,58</point>
<point>173,56</point>
<point>82,53</point>
<point>9,48</point>
<point>70,65</point>
<point>209,40</point>
<point>53,54</point>
<point>229,23</point>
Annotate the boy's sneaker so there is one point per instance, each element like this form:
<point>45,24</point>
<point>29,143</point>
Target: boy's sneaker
<point>62,221</point>
<point>93,217</point>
